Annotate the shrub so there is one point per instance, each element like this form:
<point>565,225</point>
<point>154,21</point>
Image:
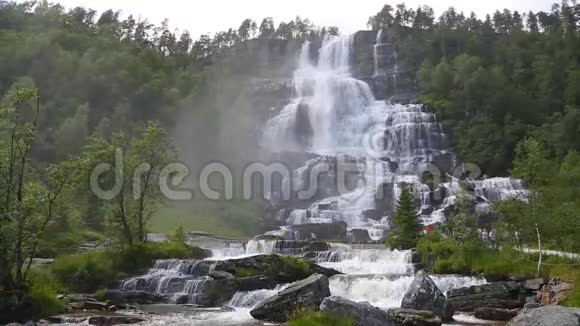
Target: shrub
<point>86,272</point>
<point>43,290</point>
<point>309,317</point>
<point>101,295</point>
<point>138,258</point>
<point>296,267</point>
<point>100,269</point>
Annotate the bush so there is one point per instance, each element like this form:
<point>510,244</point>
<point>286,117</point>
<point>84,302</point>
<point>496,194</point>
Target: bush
<point>139,258</point>
<point>296,267</point>
<point>43,290</point>
<point>100,269</point>
<point>318,318</point>
<point>86,272</point>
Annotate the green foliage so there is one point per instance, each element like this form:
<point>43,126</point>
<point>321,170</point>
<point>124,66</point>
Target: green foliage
<point>178,235</point>
<point>295,267</point>
<point>531,164</point>
<point>443,255</point>
<point>139,257</point>
<point>292,267</point>
<point>407,228</point>
<point>462,224</point>
<point>101,295</point>
<point>100,269</point>
<point>494,82</point>
<point>318,318</point>
<point>85,273</point>
<point>43,290</point>
<point>248,272</point>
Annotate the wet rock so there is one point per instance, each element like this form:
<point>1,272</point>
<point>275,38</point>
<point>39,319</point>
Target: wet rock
<point>332,206</point>
<point>359,235</point>
<point>410,317</point>
<point>554,292</point>
<point>181,298</point>
<point>496,314</point>
<point>255,283</point>
<point>385,198</point>
<point>308,293</point>
<point>424,295</point>
<point>505,295</point>
<point>533,284</point>
<point>362,312</point>
<point>118,297</point>
<point>114,320</point>
<point>276,268</point>
<point>317,246</point>
<point>215,293</point>
<point>90,305</point>
<point>372,214</point>
<point>221,275</point>
<point>548,316</point>
<point>322,232</point>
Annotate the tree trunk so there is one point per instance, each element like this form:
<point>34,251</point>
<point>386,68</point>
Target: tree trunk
<point>540,251</point>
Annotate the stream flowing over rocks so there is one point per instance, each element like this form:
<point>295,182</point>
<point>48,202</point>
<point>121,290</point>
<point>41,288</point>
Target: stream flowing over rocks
<point>350,154</point>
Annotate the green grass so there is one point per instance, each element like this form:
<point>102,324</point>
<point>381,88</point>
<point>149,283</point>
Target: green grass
<point>235,219</point>
<point>318,318</point>
<point>445,256</point>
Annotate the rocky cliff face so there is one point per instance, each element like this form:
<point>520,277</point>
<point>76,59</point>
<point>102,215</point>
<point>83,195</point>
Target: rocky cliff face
<point>376,61</point>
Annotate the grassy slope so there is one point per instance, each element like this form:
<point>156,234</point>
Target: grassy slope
<point>237,219</point>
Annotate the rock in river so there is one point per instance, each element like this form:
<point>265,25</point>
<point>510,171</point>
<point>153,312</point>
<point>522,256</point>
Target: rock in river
<point>362,313</point>
<point>424,295</point>
<point>548,316</point>
<point>307,293</point>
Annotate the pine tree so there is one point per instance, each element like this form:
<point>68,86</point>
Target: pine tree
<point>406,226</point>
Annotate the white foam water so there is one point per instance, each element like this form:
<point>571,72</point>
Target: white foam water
<point>387,291</point>
<point>367,261</point>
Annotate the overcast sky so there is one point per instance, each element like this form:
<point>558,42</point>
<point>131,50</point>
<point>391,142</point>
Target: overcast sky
<point>209,16</point>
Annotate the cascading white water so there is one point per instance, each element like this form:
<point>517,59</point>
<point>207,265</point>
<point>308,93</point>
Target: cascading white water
<point>344,118</point>
<point>387,291</point>
<point>368,261</point>
<point>252,298</point>
<point>376,54</point>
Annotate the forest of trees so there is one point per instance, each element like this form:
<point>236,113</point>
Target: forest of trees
<point>496,80</point>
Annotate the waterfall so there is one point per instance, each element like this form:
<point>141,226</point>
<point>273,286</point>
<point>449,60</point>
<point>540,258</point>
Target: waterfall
<point>376,53</point>
<point>172,277</point>
<point>368,261</point>
<point>387,291</point>
<point>252,298</point>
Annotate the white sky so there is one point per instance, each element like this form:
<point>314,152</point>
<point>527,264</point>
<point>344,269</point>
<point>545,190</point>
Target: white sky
<point>209,16</point>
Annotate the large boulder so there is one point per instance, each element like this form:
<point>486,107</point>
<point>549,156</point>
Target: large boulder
<point>280,269</point>
<point>215,293</point>
<point>362,313</point>
<point>359,236</point>
<point>504,295</point>
<point>487,313</point>
<point>308,293</point>
<point>410,317</point>
<point>118,297</point>
<point>323,232</point>
<point>548,316</point>
<point>424,295</point>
